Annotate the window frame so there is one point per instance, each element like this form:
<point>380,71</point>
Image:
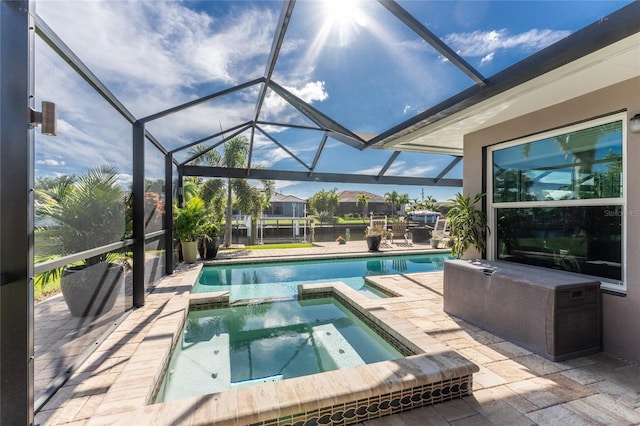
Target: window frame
<point>605,284</point>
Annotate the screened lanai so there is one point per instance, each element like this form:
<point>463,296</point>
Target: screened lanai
<point>328,94</point>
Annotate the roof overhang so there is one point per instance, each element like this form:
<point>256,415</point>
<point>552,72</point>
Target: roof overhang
<point>602,54</point>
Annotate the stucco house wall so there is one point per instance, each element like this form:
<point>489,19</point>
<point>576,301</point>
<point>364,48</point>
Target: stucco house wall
<point>621,314</point>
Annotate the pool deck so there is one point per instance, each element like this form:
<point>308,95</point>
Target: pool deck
<point>513,386</point>
<point>332,249</point>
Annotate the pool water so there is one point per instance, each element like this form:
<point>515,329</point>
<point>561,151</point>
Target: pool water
<point>281,279</point>
<point>227,348</point>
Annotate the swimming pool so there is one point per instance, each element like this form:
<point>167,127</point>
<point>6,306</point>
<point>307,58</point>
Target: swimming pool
<point>281,279</point>
<point>228,348</point>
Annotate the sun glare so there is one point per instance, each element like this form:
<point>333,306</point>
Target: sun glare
<point>344,17</point>
<point>341,12</point>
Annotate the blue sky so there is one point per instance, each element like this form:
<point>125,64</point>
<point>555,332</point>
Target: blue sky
<point>352,60</point>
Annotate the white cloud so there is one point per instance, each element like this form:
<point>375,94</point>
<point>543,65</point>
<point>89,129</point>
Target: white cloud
<point>370,171</point>
<point>281,184</point>
<point>310,92</point>
<point>398,168</point>
<point>407,108</point>
<point>276,108</point>
<point>125,180</point>
<point>154,54</point>
<point>402,168</point>
<point>50,162</point>
<point>484,43</point>
<point>487,58</point>
<point>267,157</point>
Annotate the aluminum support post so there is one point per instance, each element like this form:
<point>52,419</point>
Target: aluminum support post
<point>138,215</point>
<point>16,213</point>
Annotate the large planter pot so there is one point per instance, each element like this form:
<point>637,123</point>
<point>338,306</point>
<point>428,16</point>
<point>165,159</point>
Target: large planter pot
<point>208,249</point>
<point>91,291</point>
<point>189,251</point>
<point>373,242</point>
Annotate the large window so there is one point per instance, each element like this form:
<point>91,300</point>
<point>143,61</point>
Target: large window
<point>557,200</point>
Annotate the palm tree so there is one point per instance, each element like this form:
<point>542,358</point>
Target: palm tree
<point>252,201</point>
<point>235,154</point>
<point>403,200</point>
<point>189,188</point>
<point>431,203</point>
<point>88,213</point>
<point>268,188</point>
<point>212,192</point>
<point>203,155</point>
<point>363,199</point>
<point>392,198</point>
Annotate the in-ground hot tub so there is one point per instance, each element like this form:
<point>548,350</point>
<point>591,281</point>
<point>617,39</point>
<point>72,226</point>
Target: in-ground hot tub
<point>253,343</point>
<point>343,396</point>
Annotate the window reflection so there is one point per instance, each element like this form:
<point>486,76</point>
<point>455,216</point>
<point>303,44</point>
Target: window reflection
<point>585,164</point>
<point>576,239</point>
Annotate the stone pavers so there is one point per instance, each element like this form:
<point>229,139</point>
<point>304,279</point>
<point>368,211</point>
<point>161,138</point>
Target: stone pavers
<point>513,385</point>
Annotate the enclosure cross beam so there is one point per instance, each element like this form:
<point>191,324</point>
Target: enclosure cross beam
<point>266,174</point>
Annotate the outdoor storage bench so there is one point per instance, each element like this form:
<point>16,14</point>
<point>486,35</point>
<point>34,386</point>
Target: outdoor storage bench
<point>552,313</point>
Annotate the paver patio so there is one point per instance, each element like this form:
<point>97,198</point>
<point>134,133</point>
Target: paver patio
<point>513,386</point>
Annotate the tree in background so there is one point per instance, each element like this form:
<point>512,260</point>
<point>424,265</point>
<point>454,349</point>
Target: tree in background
<point>253,201</point>
<point>324,203</point>
<point>234,156</point>
<point>431,203</point>
<point>403,200</point>
<point>395,199</point>
<point>47,183</point>
<point>189,188</point>
<point>391,198</point>
<point>428,203</point>
<point>212,192</point>
<point>363,200</point>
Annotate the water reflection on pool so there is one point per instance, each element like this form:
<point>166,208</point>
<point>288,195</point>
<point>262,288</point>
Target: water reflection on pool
<point>281,279</point>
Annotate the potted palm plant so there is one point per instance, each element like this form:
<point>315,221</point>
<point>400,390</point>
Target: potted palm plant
<point>86,214</point>
<point>188,225</point>
<point>210,241</point>
<point>468,224</point>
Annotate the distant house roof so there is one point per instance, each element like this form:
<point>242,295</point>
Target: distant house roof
<point>352,197</point>
<point>281,198</point>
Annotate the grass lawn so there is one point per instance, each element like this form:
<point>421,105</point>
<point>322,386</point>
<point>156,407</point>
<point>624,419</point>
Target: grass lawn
<point>337,220</point>
<point>46,290</point>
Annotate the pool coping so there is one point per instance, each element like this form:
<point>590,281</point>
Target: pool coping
<point>435,374</point>
<point>328,256</point>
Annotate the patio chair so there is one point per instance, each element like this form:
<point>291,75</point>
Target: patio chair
<point>441,230</point>
<point>399,230</point>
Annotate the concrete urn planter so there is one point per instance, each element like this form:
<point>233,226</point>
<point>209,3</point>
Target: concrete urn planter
<point>91,291</point>
<point>373,242</point>
<point>189,251</point>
